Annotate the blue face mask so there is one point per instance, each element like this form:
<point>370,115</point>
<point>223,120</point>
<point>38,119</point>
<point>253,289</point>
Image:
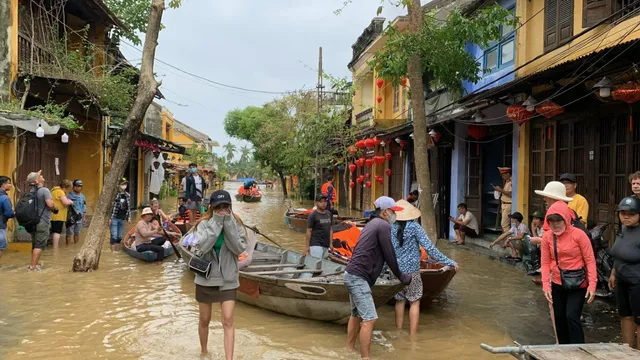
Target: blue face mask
<point>193,170</point>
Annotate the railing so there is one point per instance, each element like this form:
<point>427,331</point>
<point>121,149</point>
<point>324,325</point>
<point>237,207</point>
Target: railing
<point>30,54</point>
<point>364,116</point>
<point>336,98</point>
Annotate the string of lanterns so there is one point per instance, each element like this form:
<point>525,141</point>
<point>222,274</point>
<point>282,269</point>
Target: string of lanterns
<point>370,144</point>
<point>40,134</point>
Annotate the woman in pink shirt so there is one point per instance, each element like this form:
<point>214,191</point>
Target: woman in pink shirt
<point>574,252</point>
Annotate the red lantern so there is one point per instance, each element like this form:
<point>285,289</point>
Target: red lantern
<point>477,131</point>
<point>404,81</point>
<point>368,184</point>
<point>380,180</point>
<point>352,184</point>
<point>352,168</point>
<point>378,160</point>
<point>367,176</point>
<point>353,150</point>
<point>388,156</point>
<point>403,144</point>
<point>388,172</point>
<point>360,179</point>
<point>369,143</point>
<point>379,83</point>
<point>549,109</point>
<point>369,163</point>
<point>519,114</point>
<point>376,141</point>
<point>629,92</point>
<point>360,144</point>
<point>379,99</point>
<point>360,162</point>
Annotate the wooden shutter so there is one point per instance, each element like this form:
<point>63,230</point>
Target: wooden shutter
<point>594,11</point>
<point>550,24</point>
<point>558,23</point>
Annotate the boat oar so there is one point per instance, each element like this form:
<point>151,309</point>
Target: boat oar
<point>255,230</point>
<point>175,250</point>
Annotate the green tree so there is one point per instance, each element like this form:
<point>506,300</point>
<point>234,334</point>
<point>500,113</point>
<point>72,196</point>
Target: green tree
<point>230,150</point>
<point>134,14</point>
<point>199,155</point>
<point>437,47</point>
<point>245,152</point>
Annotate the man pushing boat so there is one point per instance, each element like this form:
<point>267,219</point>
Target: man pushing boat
<point>373,249</point>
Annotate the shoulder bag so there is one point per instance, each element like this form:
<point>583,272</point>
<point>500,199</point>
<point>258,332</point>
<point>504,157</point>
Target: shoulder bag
<point>571,279</point>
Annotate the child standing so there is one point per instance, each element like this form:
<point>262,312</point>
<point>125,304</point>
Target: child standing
<point>121,213</point>
<point>77,213</point>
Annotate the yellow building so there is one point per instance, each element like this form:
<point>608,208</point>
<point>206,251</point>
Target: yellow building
<point>379,109</point>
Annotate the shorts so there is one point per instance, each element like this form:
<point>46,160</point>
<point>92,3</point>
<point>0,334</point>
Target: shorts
<point>75,228</point>
<point>3,239</point>
<point>40,236</point>
<point>466,230</point>
<point>194,205</point>
<point>56,227</point>
<point>213,294</point>
<point>628,300</point>
<point>362,304</point>
<point>319,252</point>
<point>413,291</point>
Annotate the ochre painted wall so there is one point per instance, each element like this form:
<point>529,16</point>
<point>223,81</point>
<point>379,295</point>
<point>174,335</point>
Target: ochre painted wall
<point>84,160</point>
<point>530,37</point>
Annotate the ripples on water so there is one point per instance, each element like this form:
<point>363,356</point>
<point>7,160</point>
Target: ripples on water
<point>130,309</point>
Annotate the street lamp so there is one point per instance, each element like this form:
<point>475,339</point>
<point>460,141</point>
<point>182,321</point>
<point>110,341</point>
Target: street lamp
<point>530,104</point>
<point>478,116</point>
<point>65,138</point>
<point>604,86</point>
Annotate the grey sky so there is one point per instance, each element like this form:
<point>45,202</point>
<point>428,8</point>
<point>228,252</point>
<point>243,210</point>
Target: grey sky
<point>254,44</point>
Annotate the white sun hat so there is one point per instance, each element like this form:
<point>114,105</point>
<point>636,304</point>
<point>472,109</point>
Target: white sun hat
<point>555,190</point>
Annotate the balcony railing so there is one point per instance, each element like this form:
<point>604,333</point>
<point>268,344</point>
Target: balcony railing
<point>364,117</point>
<point>336,98</point>
<point>30,54</point>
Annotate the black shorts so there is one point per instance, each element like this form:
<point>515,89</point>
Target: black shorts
<point>56,227</point>
<point>628,300</point>
<point>466,230</point>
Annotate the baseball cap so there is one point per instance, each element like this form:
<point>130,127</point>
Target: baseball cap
<point>124,181</point>
<point>538,214</point>
<point>517,216</point>
<point>77,182</point>
<point>220,197</point>
<point>32,177</point>
<point>321,197</point>
<point>385,202</point>
<point>568,177</point>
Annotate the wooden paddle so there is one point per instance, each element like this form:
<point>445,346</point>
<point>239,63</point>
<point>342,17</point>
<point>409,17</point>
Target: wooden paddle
<point>175,250</point>
<point>255,230</point>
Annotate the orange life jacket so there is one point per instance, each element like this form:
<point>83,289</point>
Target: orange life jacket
<point>325,190</point>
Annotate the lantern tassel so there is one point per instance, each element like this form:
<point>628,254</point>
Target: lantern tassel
<point>477,149</point>
<point>549,133</point>
<point>630,118</point>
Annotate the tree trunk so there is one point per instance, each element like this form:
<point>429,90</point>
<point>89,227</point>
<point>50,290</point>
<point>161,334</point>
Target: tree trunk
<point>89,256</point>
<point>284,184</point>
<point>416,21</point>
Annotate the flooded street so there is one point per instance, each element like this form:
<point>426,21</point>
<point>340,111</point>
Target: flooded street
<point>131,309</point>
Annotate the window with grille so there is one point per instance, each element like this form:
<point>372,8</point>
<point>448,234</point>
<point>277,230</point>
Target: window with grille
<point>396,99</point>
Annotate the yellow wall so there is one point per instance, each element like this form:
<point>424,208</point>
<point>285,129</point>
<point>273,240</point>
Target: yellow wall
<point>531,37</point>
<point>84,160</point>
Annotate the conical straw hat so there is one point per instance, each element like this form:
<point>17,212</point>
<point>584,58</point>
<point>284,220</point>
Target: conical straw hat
<point>409,212</point>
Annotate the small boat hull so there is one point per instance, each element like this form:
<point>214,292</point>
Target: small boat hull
<point>297,221</point>
<point>315,298</point>
<point>248,198</point>
<point>148,256</point>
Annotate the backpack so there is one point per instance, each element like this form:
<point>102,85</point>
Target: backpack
<point>27,210</point>
<point>576,223</point>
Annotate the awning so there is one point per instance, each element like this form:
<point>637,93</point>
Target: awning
<point>27,123</point>
<point>153,143</point>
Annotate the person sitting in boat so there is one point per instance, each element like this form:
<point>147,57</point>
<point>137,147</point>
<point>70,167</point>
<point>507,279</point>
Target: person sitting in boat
<point>407,237</point>
<point>159,217</point>
<point>182,210</point>
<point>146,230</point>
<point>373,250</point>
<point>222,238</point>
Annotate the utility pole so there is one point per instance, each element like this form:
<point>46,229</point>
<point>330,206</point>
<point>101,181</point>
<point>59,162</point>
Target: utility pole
<point>320,88</point>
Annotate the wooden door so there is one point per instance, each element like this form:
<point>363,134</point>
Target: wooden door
<point>473,196</point>
<point>396,180</point>
<point>48,154</point>
<point>542,167</point>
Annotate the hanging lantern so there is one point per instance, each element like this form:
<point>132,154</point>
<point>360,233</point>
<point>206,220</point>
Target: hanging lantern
<point>352,168</point>
<point>379,83</point>
<point>388,172</point>
<point>64,138</point>
<point>368,184</point>
<point>360,162</point>
<point>382,143</point>
<point>40,131</point>
<point>404,81</point>
<point>530,104</point>
<point>367,176</point>
<point>378,160</point>
<point>477,131</point>
<point>388,156</point>
<point>360,179</point>
<point>380,180</point>
<point>479,116</point>
<point>434,135</point>
<point>353,150</point>
<point>549,109</point>
<point>403,144</point>
<point>377,141</point>
<point>604,87</point>
<point>352,184</point>
<point>369,163</point>
<point>519,114</point>
<point>629,92</point>
<point>379,99</point>
<point>360,144</point>
<point>369,143</point>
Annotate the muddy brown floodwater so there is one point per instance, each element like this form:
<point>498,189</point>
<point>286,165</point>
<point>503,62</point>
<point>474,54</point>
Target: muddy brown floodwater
<point>134,310</point>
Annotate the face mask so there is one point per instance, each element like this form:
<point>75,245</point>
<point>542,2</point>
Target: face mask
<point>193,170</point>
<point>558,232</point>
<point>392,218</point>
<point>123,187</point>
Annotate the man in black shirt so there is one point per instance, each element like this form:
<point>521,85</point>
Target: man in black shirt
<point>373,249</point>
<point>319,230</point>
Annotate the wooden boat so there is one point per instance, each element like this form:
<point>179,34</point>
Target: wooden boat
<point>296,219</point>
<point>248,198</point>
<point>287,282</point>
<point>149,256</point>
<point>567,351</point>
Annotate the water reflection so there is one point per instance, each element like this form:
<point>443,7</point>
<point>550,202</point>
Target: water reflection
<point>131,309</point>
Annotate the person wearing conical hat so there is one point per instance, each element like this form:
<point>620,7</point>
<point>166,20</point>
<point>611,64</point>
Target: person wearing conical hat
<point>407,236</point>
<point>505,198</point>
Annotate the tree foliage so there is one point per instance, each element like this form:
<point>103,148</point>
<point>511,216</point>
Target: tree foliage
<point>441,47</point>
<point>199,155</point>
<point>134,14</point>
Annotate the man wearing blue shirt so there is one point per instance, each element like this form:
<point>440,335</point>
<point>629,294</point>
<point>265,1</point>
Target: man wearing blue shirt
<point>6,212</point>
<point>77,216</point>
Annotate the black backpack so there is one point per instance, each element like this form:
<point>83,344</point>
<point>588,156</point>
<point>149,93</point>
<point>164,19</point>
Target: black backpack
<point>576,223</point>
<point>27,210</point>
